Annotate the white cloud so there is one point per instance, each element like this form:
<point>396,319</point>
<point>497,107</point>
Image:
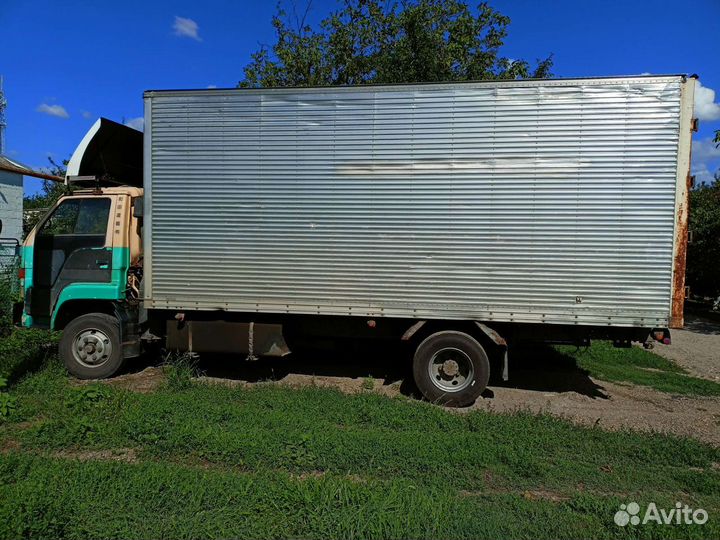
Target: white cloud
<point>186,28</point>
<point>705,150</point>
<point>702,174</point>
<point>705,106</point>
<point>53,110</point>
<point>87,114</point>
<point>136,123</point>
<point>705,160</point>
<point>212,86</point>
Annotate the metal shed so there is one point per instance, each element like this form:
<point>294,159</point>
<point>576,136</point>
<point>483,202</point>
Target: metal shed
<point>11,204</point>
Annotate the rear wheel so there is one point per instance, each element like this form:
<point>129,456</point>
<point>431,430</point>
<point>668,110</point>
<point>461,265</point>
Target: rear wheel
<point>451,368</point>
<point>90,346</point>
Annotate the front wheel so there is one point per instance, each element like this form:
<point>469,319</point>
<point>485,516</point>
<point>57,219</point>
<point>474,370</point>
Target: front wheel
<point>451,368</point>
<point>90,346</point>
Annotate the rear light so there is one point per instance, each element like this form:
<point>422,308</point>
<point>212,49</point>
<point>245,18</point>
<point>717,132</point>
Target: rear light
<point>21,273</point>
<point>662,335</point>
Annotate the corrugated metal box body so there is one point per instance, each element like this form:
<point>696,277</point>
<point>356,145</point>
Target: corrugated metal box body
<point>532,201</point>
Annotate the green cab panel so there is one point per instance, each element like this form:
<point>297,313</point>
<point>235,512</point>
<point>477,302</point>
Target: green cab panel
<point>111,290</point>
<point>114,290</point>
<point>70,259</point>
<point>26,262</point>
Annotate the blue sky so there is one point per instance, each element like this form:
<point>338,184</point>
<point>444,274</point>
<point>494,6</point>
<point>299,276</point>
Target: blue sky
<point>67,63</point>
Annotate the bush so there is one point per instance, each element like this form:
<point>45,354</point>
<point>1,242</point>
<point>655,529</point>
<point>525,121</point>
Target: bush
<point>22,350</point>
<point>9,287</point>
<point>7,402</point>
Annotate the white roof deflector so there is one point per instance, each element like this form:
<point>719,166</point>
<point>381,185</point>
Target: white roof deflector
<point>110,152</point>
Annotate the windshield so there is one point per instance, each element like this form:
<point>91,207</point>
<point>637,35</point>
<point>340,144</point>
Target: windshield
<point>78,217</point>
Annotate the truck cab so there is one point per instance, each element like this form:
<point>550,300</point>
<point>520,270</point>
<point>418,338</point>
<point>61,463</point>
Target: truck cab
<point>82,250</point>
<point>84,257</point>
<point>82,263</point>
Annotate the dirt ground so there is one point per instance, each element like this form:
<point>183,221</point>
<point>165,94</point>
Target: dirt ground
<point>696,348</point>
<point>536,384</point>
<point>590,401</point>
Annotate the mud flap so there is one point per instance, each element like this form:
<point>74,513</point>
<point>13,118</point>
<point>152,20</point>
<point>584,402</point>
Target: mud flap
<point>129,331</point>
<point>500,342</point>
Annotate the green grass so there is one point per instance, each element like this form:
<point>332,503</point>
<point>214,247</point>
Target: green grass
<point>60,499</point>
<point>638,366</point>
<point>269,461</point>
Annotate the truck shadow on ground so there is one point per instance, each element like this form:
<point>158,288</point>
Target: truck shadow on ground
<point>700,325</point>
<point>537,369</point>
<point>544,369</point>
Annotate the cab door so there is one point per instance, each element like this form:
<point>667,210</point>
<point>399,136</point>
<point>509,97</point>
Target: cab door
<point>72,245</point>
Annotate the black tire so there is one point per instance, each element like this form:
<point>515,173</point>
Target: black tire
<point>460,352</point>
<point>102,351</point>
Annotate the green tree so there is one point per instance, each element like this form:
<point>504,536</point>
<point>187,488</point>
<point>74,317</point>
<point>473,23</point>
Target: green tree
<point>35,206</point>
<point>703,266</point>
<point>376,41</point>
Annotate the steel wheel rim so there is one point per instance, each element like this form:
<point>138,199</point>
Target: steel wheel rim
<point>92,348</point>
<point>451,369</point>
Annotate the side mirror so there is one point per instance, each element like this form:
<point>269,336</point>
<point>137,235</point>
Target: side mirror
<point>138,207</point>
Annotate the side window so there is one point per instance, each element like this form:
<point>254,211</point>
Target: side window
<point>93,216</point>
<point>78,216</point>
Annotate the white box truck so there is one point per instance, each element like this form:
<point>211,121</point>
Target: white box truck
<point>459,218</point>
